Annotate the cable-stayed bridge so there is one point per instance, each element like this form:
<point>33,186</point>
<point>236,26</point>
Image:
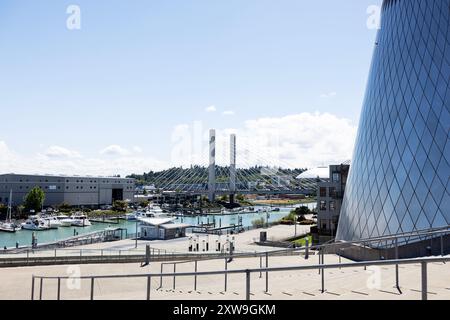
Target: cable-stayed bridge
<point>215,180</point>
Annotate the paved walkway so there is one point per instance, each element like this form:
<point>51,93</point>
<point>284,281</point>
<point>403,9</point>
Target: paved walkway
<point>351,283</point>
<point>244,241</point>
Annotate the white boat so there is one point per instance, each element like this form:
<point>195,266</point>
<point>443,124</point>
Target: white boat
<point>34,223</point>
<point>131,216</point>
<point>65,221</point>
<point>80,220</point>
<point>157,212</point>
<point>145,214</point>
<point>9,225</point>
<point>52,222</point>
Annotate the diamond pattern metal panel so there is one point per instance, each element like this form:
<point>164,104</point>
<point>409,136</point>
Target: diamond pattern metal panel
<point>399,179</point>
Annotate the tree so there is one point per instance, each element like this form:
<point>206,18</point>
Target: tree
<point>120,205</point>
<point>34,200</point>
<point>144,203</point>
<point>64,207</point>
<point>302,211</point>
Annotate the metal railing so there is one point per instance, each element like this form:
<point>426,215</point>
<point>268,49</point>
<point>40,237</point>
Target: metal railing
<point>322,267</point>
<point>85,256</point>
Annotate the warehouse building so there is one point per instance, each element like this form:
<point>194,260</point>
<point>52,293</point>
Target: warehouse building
<point>73,190</point>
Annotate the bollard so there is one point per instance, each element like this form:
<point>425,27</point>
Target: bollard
<point>442,244</point>
<point>59,289</point>
<point>149,284</point>
<point>247,290</point>
<point>424,281</point>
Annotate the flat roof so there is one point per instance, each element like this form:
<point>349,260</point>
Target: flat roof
<point>176,226</point>
<point>156,221</point>
<point>62,176</point>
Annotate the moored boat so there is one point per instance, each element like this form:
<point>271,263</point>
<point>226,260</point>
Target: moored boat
<point>9,225</point>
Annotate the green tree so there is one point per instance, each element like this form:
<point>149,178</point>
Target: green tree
<point>144,203</point>
<point>64,207</point>
<point>302,211</point>
<point>120,205</point>
<point>34,200</point>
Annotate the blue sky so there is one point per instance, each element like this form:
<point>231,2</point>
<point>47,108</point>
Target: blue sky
<point>138,69</point>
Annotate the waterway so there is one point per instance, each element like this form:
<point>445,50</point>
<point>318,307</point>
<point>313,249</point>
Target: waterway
<point>23,237</point>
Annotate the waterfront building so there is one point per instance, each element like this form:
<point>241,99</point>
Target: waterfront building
<point>329,201</point>
<point>161,229</point>
<point>399,178</point>
<point>73,190</point>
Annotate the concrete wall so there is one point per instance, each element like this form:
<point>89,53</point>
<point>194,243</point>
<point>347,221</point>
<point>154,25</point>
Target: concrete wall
<point>429,247</point>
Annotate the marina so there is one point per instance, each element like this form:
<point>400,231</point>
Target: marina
<point>24,237</point>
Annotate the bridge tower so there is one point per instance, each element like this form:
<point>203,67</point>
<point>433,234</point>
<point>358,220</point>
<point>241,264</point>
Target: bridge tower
<point>232,167</point>
<point>212,166</point>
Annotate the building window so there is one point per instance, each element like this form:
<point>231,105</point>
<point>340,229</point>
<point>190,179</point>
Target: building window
<point>336,177</point>
<point>323,205</point>
<point>332,206</point>
<point>323,192</point>
<point>332,192</point>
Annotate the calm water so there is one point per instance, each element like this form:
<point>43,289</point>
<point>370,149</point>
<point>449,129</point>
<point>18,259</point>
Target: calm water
<point>23,237</point>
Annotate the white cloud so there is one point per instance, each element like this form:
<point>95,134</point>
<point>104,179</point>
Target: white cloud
<point>228,113</point>
<point>114,150</point>
<point>60,152</point>
<point>59,161</point>
<point>137,149</point>
<point>328,95</point>
<point>299,140</point>
<point>211,109</point>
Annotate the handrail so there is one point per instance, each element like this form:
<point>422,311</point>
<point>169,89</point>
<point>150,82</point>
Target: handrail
<point>272,269</point>
<point>205,256</point>
<point>322,267</point>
